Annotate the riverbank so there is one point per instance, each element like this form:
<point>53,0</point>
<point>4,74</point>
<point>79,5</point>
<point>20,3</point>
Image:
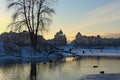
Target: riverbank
<point>79,52</point>
<point>102,77</point>
<point>28,52</point>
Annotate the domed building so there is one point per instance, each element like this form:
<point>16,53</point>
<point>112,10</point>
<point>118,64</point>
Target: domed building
<point>60,39</point>
<point>80,40</point>
<point>78,36</point>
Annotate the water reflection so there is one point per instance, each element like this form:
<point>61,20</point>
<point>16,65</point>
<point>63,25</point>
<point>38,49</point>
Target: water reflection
<point>71,70</point>
<point>69,59</point>
<point>33,71</point>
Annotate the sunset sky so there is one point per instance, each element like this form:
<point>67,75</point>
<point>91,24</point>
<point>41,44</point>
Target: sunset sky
<point>90,17</point>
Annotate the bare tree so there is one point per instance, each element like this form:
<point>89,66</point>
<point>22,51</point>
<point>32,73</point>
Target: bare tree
<point>33,15</point>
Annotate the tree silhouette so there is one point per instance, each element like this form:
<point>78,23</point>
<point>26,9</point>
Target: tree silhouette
<point>33,15</point>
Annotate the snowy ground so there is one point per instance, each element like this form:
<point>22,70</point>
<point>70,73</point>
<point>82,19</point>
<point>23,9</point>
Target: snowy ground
<point>97,52</point>
<point>102,77</point>
<point>28,52</point>
<point>110,52</point>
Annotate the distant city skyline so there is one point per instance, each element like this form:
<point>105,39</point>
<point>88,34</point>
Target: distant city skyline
<point>89,17</point>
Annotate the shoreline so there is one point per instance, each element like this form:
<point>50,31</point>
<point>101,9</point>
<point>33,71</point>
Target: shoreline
<point>79,56</point>
<point>76,53</point>
<point>102,77</point>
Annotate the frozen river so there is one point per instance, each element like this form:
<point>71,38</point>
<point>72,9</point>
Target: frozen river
<point>81,69</point>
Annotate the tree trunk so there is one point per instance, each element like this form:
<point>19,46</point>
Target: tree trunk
<point>33,41</point>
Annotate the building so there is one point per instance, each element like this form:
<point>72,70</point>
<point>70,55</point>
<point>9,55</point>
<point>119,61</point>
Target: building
<point>60,39</point>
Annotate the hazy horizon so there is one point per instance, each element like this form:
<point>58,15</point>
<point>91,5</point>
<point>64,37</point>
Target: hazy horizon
<point>90,17</point>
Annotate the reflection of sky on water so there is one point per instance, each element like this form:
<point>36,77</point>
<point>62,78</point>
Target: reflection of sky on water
<point>71,70</point>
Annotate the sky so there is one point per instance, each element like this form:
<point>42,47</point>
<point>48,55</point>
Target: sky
<point>89,17</point>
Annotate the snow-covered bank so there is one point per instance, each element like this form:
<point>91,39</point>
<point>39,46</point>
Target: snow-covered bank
<point>102,77</point>
<point>107,52</point>
<point>42,55</point>
<point>98,52</point>
<point>28,52</point>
